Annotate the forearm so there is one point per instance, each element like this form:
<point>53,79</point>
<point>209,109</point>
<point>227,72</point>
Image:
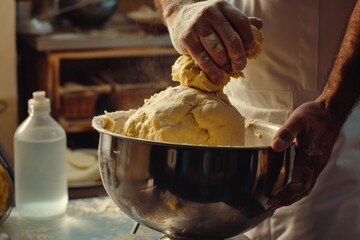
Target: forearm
<point>343,87</point>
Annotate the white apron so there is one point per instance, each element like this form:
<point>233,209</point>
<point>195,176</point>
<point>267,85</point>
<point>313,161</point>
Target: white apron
<point>301,38</point>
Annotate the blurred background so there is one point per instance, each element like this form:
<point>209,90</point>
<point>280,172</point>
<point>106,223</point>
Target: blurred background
<point>90,56</point>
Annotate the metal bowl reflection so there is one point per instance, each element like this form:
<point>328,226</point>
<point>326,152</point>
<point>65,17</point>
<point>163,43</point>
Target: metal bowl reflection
<point>193,192</point>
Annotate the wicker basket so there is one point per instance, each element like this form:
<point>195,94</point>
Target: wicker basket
<point>79,104</point>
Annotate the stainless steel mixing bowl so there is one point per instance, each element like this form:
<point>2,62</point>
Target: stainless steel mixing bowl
<point>194,192</point>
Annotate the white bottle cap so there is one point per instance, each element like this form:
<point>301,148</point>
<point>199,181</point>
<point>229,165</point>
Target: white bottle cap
<point>39,103</point>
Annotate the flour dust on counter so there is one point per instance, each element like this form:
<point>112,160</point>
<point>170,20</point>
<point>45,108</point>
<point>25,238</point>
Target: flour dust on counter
<point>95,218</point>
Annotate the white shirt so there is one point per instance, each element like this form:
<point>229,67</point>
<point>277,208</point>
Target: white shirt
<point>301,38</point>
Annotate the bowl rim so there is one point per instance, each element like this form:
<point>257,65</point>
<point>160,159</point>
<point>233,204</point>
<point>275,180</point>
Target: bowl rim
<point>255,125</point>
<point>179,145</point>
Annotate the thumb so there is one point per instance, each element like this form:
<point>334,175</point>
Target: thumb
<point>284,137</point>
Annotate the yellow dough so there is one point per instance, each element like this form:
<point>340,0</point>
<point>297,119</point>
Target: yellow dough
<point>188,73</point>
<point>187,115</point>
<point>195,112</point>
<point>259,38</point>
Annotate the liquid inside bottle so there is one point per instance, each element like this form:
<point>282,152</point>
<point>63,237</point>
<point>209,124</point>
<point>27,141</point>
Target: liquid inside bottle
<point>40,167</point>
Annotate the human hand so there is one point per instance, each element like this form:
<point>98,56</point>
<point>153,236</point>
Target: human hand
<point>215,34</point>
<point>314,130</point>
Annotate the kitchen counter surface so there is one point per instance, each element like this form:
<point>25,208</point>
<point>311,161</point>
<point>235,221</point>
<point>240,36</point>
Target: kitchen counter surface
<point>90,218</point>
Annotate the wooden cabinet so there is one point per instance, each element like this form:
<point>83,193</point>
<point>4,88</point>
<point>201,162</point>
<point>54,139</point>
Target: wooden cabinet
<point>54,85</point>
<point>50,63</point>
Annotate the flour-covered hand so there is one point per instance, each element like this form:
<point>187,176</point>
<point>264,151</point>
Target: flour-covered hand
<point>214,33</point>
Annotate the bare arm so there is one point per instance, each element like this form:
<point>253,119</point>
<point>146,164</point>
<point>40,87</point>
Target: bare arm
<point>343,87</point>
<point>342,90</point>
<point>316,125</point>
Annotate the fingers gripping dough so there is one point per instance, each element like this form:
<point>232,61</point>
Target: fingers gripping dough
<point>188,73</point>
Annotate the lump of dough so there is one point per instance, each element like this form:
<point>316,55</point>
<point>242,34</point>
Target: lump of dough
<point>255,51</point>
<point>188,73</point>
<point>196,112</point>
<point>186,115</point>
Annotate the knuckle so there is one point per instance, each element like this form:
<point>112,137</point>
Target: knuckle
<point>204,60</point>
<point>187,38</point>
<point>210,9</point>
<point>223,61</point>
